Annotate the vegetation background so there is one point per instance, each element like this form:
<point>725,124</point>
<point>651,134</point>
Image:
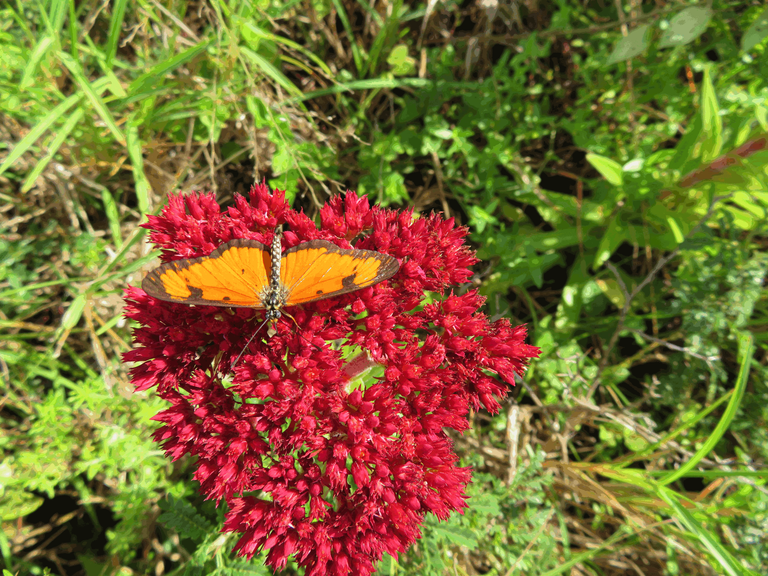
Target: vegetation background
<point>609,159</point>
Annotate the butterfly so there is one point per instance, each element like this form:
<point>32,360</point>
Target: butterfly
<point>245,273</point>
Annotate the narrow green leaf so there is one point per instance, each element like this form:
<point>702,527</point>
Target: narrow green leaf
<point>73,314</point>
<point>289,43</point>
<point>39,129</point>
<point>53,147</point>
<point>746,350</point>
<point>133,145</point>
<point>675,227</point>
<point>30,70</point>
<point>706,537</point>
<point>156,73</point>
<point>115,26</point>
<point>384,37</point>
<point>110,208</point>
<point>712,123</point>
<point>95,99</point>
<point>270,71</point>
<point>608,168</point>
<point>351,41</point>
<point>371,83</point>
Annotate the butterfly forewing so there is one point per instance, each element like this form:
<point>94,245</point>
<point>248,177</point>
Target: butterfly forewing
<point>319,269</point>
<point>235,274</point>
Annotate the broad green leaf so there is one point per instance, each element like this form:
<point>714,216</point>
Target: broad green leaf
<point>712,124</point>
<point>608,168</point>
<point>631,45</point>
<point>569,308</point>
<point>686,26</point>
<point>610,287</point>
<point>614,235</point>
<point>402,64</point>
<point>757,31</point>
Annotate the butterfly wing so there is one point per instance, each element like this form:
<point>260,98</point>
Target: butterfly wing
<point>319,269</point>
<point>235,274</point>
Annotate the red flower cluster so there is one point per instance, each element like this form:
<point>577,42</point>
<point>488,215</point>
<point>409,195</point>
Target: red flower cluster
<point>316,454</point>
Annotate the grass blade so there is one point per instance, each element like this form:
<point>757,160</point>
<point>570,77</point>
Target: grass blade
<point>96,101</point>
<point>156,74</point>
<point>115,25</point>
<point>708,539</point>
<point>269,70</point>
<point>61,135</point>
<point>746,349</point>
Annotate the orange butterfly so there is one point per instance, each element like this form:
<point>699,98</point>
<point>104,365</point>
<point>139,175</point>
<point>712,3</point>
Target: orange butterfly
<point>246,274</point>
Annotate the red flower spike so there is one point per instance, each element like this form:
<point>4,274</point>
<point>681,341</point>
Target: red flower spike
<point>351,469</point>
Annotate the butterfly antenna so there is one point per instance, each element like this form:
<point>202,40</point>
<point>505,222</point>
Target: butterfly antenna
<point>232,367</point>
<point>299,328</point>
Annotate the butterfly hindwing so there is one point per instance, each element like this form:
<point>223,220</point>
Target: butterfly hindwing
<point>235,274</point>
<point>319,269</point>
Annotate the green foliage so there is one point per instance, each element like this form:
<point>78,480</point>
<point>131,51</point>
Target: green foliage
<point>614,183</point>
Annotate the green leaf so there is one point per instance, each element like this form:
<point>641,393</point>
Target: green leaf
<point>115,26</point>
<point>608,168</point>
<point>710,540</point>
<point>614,235</point>
<point>61,135</point>
<point>150,79</point>
<point>456,535</point>
<point>686,26</point>
<point>269,70</point>
<point>110,208</point>
<point>92,95</point>
<point>28,79</point>
<point>756,32</point>
<point>38,130</point>
<point>631,45</point>
<point>133,145</point>
<point>712,123</point>
<point>746,351</point>
<point>612,290</point>
<point>402,64</point>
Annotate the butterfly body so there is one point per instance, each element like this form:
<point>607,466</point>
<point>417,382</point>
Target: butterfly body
<point>244,273</point>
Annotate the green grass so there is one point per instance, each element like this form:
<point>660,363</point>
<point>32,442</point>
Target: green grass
<point>594,196</point>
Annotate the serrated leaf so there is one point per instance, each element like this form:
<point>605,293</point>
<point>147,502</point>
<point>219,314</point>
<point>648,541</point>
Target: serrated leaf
<point>609,169</point>
<point>686,26</point>
<point>631,45</point>
<point>756,32</point>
